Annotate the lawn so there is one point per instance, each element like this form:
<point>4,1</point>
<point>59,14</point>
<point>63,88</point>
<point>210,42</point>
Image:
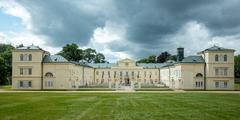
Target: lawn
<point>119,106</point>
<point>5,87</point>
<point>237,86</point>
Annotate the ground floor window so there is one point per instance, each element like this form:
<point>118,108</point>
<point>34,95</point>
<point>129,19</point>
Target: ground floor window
<point>49,83</point>
<point>25,83</point>
<point>221,84</point>
<point>199,84</point>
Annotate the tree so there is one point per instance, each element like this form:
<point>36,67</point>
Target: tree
<point>163,57</point>
<point>144,60</point>
<point>99,58</point>
<point>18,46</point>
<point>5,63</point>
<point>237,66</point>
<point>71,52</point>
<point>89,55</point>
<point>172,57</point>
<point>150,59</point>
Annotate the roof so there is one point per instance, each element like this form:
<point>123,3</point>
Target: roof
<point>168,63</point>
<point>54,58</point>
<point>217,48</point>
<point>150,65</point>
<point>102,65</point>
<point>30,47</point>
<point>193,59</point>
<point>80,63</point>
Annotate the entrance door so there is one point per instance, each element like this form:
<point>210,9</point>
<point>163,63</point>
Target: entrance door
<point>127,82</point>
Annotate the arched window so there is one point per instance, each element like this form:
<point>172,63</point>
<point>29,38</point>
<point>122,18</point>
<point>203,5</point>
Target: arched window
<point>199,75</point>
<point>225,58</point>
<point>30,57</point>
<point>216,57</point>
<point>48,74</point>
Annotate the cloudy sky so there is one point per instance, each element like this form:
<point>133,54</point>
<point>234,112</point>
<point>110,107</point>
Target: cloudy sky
<point>122,28</point>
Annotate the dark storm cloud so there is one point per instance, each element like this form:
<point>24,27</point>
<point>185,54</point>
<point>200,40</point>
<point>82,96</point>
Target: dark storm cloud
<point>62,21</point>
<point>150,23</point>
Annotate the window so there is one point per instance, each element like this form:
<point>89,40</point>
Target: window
<point>21,83</point>
<point>49,83</point>
<point>199,75</point>
<point>30,57</point>
<point>21,57</point>
<point>29,71</point>
<point>114,74</point>
<point>120,74</point>
<point>25,71</point>
<point>96,72</point>
<point>102,74</point>
<point>25,57</point>
<point>145,74</point>
<point>221,84</point>
<point>216,57</point>
<point>132,73</point>
<point>21,71</point>
<point>25,84</point>
<point>108,74</point>
<point>29,83</point>
<point>138,74</point>
<point>225,57</point>
<point>48,74</point>
<point>221,71</point>
<point>126,64</point>
<point>217,84</point>
<point>199,84</point>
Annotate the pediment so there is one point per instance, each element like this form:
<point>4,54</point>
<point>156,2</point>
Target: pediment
<point>126,63</point>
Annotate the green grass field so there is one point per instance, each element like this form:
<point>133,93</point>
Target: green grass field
<point>119,106</point>
<point>5,87</point>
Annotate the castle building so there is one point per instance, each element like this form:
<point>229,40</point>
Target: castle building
<point>35,68</point>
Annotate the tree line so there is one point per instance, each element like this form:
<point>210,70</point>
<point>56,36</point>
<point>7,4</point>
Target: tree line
<point>72,52</point>
<point>161,58</point>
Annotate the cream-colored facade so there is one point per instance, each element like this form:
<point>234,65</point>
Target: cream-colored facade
<point>34,68</point>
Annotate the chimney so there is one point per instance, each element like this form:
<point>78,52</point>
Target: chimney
<point>180,54</point>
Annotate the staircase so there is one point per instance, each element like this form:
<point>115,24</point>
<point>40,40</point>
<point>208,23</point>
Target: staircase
<point>125,89</point>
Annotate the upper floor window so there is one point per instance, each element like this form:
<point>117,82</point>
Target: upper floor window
<point>114,74</point>
<point>21,57</point>
<point>102,74</point>
<point>96,72</point>
<point>216,57</point>
<point>220,58</point>
<point>30,57</point>
<point>109,74</point>
<point>225,57</point>
<point>25,57</point>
